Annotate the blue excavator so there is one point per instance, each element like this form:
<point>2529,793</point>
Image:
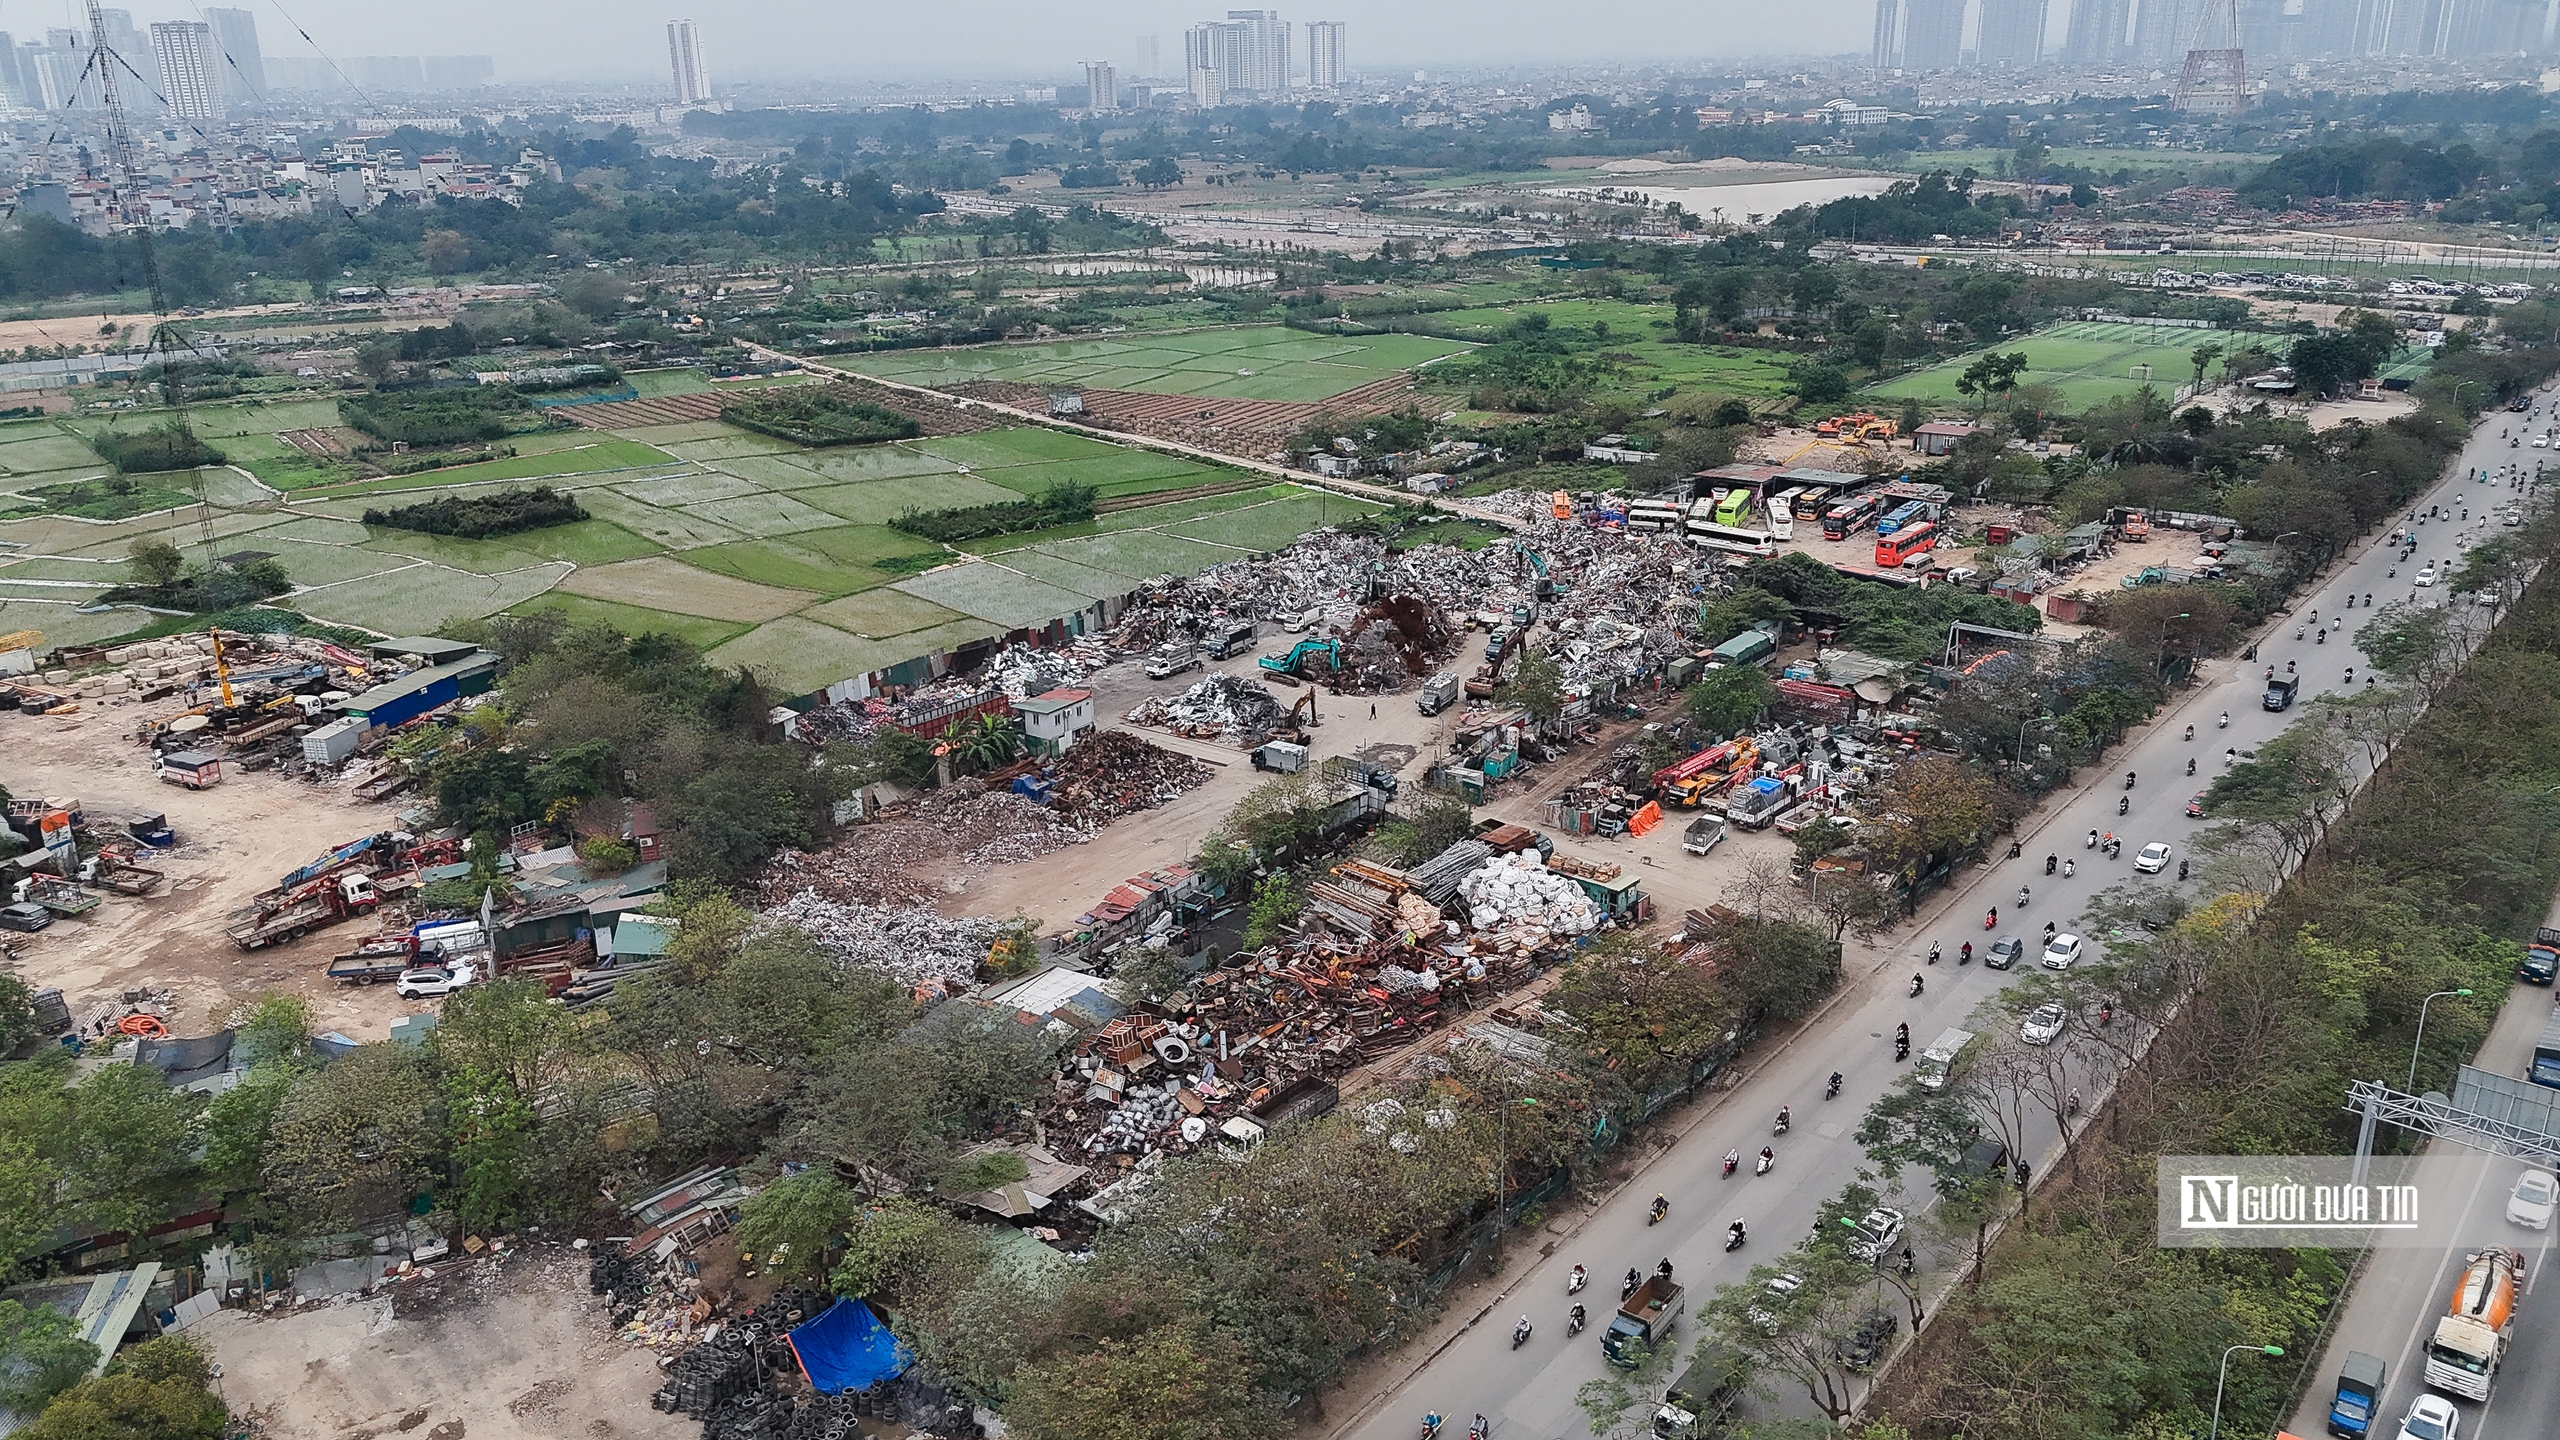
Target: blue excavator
<point>1294,663</point>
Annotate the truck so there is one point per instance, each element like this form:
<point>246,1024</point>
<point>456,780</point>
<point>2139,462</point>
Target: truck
<point>1748,648</point>
<point>122,876</point>
<point>322,902</point>
<point>2280,692</point>
<point>2546,1054</point>
<point>1697,1403</point>
<point>1702,835</point>
<point>1438,693</point>
<point>1233,640</point>
<point>2541,958</point>
<point>57,895</point>
<point>2472,1336</point>
<point>1756,804</point>
<point>1938,1062</point>
<point>192,768</point>
<point>2359,1395</point>
<point>376,961</point>
<point>1352,770</point>
<point>1172,660</point>
<point>1281,756</point>
<point>1644,1320</point>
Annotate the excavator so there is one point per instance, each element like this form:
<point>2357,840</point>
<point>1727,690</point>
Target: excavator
<point>1490,674</point>
<point>1294,663</point>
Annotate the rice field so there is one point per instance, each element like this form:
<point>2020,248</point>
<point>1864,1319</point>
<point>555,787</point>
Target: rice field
<point>2090,362</point>
<point>1253,362</point>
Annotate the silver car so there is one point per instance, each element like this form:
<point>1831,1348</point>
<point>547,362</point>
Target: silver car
<point>2043,1025</point>
<point>2535,1199</point>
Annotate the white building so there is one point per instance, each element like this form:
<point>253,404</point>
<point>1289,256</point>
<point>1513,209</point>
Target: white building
<point>1243,57</point>
<point>684,57</point>
<point>190,68</point>
<point>1577,118</point>
<point>1102,87</point>
<point>1327,66</point>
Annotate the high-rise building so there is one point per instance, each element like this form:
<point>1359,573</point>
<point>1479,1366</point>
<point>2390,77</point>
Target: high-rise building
<point>1146,58</point>
<point>684,56</point>
<point>1327,65</point>
<point>1101,87</point>
<point>2012,33</point>
<point>2164,30</point>
<point>456,72</point>
<point>235,39</point>
<point>1932,34</point>
<point>2097,32</point>
<point>190,68</point>
<point>1243,57</point>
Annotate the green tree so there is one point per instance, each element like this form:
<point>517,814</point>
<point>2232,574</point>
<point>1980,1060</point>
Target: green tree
<point>1725,701</point>
<point>41,1355</point>
<point>1791,1317</point>
<point>2203,356</point>
<point>126,1157</point>
<point>899,1249</point>
<point>155,1391</point>
<point>1166,1384</point>
<point>156,562</point>
<point>1537,686</point>
<point>1158,173</point>
<point>792,1224</point>
<point>490,1134</point>
<point>355,1141</point>
<point>1989,375</point>
<point>1275,906</point>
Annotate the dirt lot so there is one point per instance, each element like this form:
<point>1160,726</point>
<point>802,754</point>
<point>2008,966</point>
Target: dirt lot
<point>513,1349</point>
<point>234,840</point>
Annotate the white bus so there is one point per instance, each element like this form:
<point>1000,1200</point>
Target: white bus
<point>1782,514</point>
<point>1704,532</point>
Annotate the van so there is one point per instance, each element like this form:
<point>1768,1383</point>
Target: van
<point>2280,692</point>
<point>1938,1062</point>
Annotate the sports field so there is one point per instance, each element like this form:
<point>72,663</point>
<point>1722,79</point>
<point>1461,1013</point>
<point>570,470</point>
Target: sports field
<point>2090,362</point>
<point>765,554</point>
<point>1252,362</point>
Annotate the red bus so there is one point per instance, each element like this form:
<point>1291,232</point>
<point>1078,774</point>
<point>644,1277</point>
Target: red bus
<point>1902,544</point>
<point>1849,517</point>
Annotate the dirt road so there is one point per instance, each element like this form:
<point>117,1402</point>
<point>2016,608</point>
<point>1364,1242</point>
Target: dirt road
<point>234,840</point>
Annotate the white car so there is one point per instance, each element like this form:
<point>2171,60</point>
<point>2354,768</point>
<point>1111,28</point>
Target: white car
<point>428,983</point>
<point>2430,1417</point>
<point>2061,951</point>
<point>2536,1197</point>
<point>1876,1233</point>
<point>2153,859</point>
<point>2043,1025</point>
<point>1780,1287</point>
<point>2427,576</point>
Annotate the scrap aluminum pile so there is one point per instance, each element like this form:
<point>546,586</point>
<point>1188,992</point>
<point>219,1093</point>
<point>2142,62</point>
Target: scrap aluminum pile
<point>913,946</point>
<point>1374,965</point>
<point>1221,707</point>
<point>1021,671</point>
<point>1114,773</point>
<point>964,824</point>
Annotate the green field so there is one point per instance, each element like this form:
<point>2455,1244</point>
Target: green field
<point>1253,362</point>
<point>1636,345</point>
<point>2089,362</point>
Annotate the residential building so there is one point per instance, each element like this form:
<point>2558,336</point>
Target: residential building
<point>1919,34</point>
<point>1243,57</point>
<point>1146,57</point>
<point>2012,33</point>
<point>1101,87</point>
<point>684,56</point>
<point>1577,119</point>
<point>127,40</point>
<point>1327,65</point>
<point>2097,31</point>
<point>235,39</point>
<point>1053,722</point>
<point>456,72</point>
<point>400,73</point>
<point>190,69</point>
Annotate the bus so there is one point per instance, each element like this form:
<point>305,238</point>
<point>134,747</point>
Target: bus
<point>1782,514</point>
<point>1733,507</point>
<point>1733,539</point>
<point>1899,516</point>
<point>1653,516</point>
<point>1849,517</point>
<point>1811,501</point>
<point>1893,549</point>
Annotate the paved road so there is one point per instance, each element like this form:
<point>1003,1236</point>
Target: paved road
<point>1529,1393</point>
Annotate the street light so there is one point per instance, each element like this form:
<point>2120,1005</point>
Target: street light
<point>2216,1432</point>
<point>2412,1086</point>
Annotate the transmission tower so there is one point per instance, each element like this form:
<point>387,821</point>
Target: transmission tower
<point>133,215</point>
<point>2216,80</point>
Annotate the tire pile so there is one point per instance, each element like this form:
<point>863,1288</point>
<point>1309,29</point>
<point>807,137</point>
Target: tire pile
<point>615,1274</point>
<point>721,1381</point>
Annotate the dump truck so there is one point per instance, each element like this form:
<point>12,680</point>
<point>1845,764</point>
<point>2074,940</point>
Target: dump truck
<point>1697,1403</point>
<point>2541,958</point>
<point>1172,660</point>
<point>2472,1337</point>
<point>1939,1061</point>
<point>2280,692</point>
<point>1702,835</point>
<point>1643,1322</point>
<point>1438,693</point>
<point>1282,756</point>
<point>122,876</point>
<point>2359,1395</point>
<point>1755,805</point>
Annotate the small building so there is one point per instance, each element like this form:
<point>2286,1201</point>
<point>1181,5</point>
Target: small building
<point>1052,723</point>
<point>1615,450</point>
<point>1939,436</point>
<point>428,649</point>
<point>18,651</point>
<point>400,701</point>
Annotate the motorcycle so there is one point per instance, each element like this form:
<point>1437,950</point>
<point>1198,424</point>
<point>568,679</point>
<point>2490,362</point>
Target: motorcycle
<point>2069,870</point>
<point>1733,1238</point>
<point>2191,733</point>
<point>1964,953</point>
<point>1481,1430</point>
<point>1902,1048</point>
<point>1732,1158</point>
<point>2124,804</point>
<point>2226,715</point>
<point>1520,1333</point>
<point>2093,840</point>
<point>1933,952</point>
<point>1632,1281</point>
<point>1832,1090</point>
<point>2182,869</point>
<point>1767,1159</point>
<point>1661,1207</point>
<point>2191,765</point>
<point>1991,921</point>
<point>2022,897</point>
<point>1430,1427</point>
<point>1780,1128</point>
<point>1574,1321</point>
<point>2106,1016</point>
<point>2128,779</point>
<point>2048,864</point>
<point>2320,639</point>
<point>1917,985</point>
<point>1573,1283</point>
<point>2071,1105</point>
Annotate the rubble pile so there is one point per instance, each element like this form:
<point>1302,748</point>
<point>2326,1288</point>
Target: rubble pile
<point>911,945</point>
<point>1021,671</point>
<point>1519,899</point>
<point>1114,773</point>
<point>1221,707</point>
<point>1393,642</point>
<point>964,823</point>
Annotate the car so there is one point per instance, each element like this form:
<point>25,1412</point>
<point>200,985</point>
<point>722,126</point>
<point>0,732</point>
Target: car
<point>2430,1417</point>
<point>2153,859</point>
<point>1876,1233</point>
<point>2541,441</point>
<point>2004,952</point>
<point>29,918</point>
<point>2043,1024</point>
<point>2427,576</point>
<point>429,982</point>
<point>1761,1314</point>
<point>1862,1347</point>
<point>2195,806</point>
<point>2536,1197</point>
<point>2061,951</point>
<point>2485,597</point>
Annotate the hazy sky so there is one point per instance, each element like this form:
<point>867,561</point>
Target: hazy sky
<point>595,39</point>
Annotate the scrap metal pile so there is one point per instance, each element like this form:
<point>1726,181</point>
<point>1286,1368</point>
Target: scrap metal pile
<point>910,854</point>
<point>1221,707</point>
<point>916,947</point>
<point>1114,773</point>
<point>1519,901</point>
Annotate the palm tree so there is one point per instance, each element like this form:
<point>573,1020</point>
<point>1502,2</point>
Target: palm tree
<point>990,743</point>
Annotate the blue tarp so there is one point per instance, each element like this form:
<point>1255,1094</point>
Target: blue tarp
<point>848,1349</point>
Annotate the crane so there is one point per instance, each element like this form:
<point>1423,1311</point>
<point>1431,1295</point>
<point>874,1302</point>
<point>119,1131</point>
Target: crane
<point>134,213</point>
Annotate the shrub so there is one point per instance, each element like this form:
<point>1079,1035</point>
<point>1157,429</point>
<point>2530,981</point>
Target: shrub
<point>478,517</point>
<point>817,415</point>
<point>1062,503</point>
<point>167,446</point>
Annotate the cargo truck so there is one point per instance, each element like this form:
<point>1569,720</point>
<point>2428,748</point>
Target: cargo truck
<point>1233,640</point>
<point>318,904</point>
<point>2359,1396</point>
<point>1697,1403</point>
<point>1172,660</point>
<point>1643,1322</point>
<point>1702,835</point>
<point>376,961</point>
<point>1438,693</point>
<point>2541,958</point>
<point>2472,1337</point>
<point>2546,1054</point>
<point>2280,692</point>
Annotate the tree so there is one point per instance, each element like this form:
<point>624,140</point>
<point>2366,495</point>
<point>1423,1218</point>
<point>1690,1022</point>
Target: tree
<point>1989,375</point>
<point>792,1224</point>
<point>446,252</point>
<point>155,1391</point>
<point>1158,173</point>
<point>156,561</point>
<point>1726,700</point>
<point>357,1140</point>
<point>898,1249</point>
<point>2203,356</point>
<point>125,1158</point>
<point>1797,1329</point>
<point>1932,806</point>
<point>1275,907</point>
<point>1537,686</point>
<point>1166,1384</point>
<point>41,1355</point>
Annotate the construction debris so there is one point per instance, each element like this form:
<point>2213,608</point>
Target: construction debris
<point>914,946</point>
<point>1114,773</point>
<point>1222,707</point>
<point>1519,897</point>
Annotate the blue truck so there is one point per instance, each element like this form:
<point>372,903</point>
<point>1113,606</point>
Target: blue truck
<point>2360,1390</point>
